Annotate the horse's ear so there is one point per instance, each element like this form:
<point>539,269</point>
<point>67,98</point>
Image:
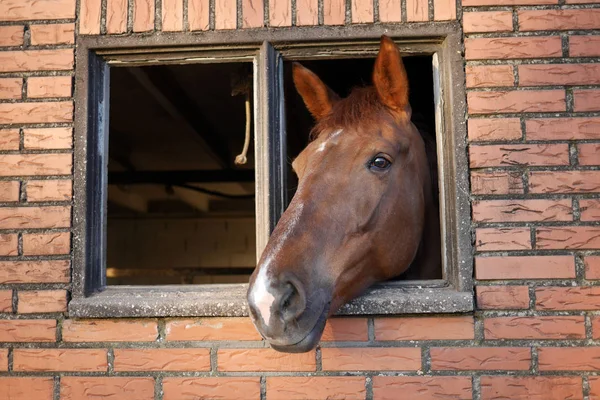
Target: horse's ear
<point>389,77</point>
<point>317,96</point>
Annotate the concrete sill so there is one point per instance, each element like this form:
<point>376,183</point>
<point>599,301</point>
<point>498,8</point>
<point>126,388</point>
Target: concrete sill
<point>230,301</point>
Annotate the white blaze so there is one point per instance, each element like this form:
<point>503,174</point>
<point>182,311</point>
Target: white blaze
<point>261,296</point>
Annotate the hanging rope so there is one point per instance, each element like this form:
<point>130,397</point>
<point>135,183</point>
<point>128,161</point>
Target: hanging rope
<point>241,158</point>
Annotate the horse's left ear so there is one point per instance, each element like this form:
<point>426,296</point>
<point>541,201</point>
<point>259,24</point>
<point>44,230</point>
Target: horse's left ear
<point>389,77</point>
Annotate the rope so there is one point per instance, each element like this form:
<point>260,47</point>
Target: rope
<point>241,158</point>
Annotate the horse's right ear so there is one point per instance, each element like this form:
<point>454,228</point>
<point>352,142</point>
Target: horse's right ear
<point>317,96</point>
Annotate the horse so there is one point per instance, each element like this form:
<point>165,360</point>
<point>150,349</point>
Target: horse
<point>364,210</point>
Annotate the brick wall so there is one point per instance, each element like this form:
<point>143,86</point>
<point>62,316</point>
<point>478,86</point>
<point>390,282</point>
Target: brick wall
<point>533,81</point>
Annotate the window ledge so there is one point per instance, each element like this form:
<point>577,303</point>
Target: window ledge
<point>230,301</point>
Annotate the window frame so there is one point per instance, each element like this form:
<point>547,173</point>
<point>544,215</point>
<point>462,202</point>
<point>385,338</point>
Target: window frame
<point>267,49</point>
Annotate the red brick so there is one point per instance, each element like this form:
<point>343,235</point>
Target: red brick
<point>505,3</point>
<point>253,13</point>
<point>46,243</point>
<point>584,46</point>
<point>280,13</point>
<point>35,164</point>
<point>8,244</point>
<point>345,329</point>
<point>531,387</point>
<point>586,100</point>
<point>496,182</point>
<point>162,360</point>
<point>42,301</point>
<point>307,12</point>
<point>109,331</point>
<point>89,17</point>
<point>9,139</point>
<point>494,129</point>
<point>51,271</point>
<point>502,297</point>
<point>63,360</point>
<point>421,387</point>
<point>390,11</point>
<point>564,181</point>
<point>592,267</point>
<point>595,327</point>
<point>334,12</point>
<point>209,329</point>
<point>36,60</point>
<point>551,20</point>
<point>569,358</point>
<point>9,191</point>
<point>554,327</point>
<point>496,239</point>
<point>480,358</point>
<point>567,298</point>
<point>27,330</point>
<point>488,21</point>
<point>49,190</point>
<point>362,12</point>
<point>11,35</point>
<point>417,10</point>
<point>563,129</point>
<point>315,387</point>
<point>26,388</point>
<point>3,360</point>
<point>11,88</point>
<point>371,359</point>
<point>35,217</point>
<point>568,238</point>
<point>424,328</point>
<point>518,154</point>
<point>489,76</point>
<point>172,15</point>
<point>246,360</point>
<point>116,16</point>
<point>590,210</point>
<point>49,86</point>
<point>515,101</point>
<point>559,74</point>
<point>52,34</point>
<point>143,15</point>
<point>48,138</point>
<point>24,10</point>
<point>29,113</point>
<point>117,388</point>
<point>6,301</point>
<point>525,267</point>
<point>512,47</point>
<point>522,210</point>
<point>444,10</point>
<point>225,14</point>
<point>222,388</point>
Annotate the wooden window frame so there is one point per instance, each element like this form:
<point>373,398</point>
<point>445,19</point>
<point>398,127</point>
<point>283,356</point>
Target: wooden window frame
<point>91,298</point>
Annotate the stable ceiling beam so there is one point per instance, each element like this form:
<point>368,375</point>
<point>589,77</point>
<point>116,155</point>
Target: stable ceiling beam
<point>174,177</point>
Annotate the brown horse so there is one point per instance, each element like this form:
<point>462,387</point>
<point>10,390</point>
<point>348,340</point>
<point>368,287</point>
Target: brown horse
<point>363,212</point>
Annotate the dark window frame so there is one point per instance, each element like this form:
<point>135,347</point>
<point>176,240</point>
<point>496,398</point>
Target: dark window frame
<point>91,297</point>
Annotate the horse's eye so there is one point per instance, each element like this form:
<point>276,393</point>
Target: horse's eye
<point>380,163</point>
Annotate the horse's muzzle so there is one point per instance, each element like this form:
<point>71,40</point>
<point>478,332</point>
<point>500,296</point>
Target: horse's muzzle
<point>288,317</point>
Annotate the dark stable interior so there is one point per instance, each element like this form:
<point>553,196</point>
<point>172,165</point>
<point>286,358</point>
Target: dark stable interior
<point>171,220</point>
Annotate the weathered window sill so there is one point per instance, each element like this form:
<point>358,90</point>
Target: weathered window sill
<point>230,301</point>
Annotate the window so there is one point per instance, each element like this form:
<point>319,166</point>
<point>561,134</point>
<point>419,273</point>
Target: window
<point>139,189</point>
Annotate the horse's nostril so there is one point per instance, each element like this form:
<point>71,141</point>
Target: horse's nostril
<point>292,302</point>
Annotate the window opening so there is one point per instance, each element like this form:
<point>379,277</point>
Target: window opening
<point>342,75</point>
<point>180,209</point>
